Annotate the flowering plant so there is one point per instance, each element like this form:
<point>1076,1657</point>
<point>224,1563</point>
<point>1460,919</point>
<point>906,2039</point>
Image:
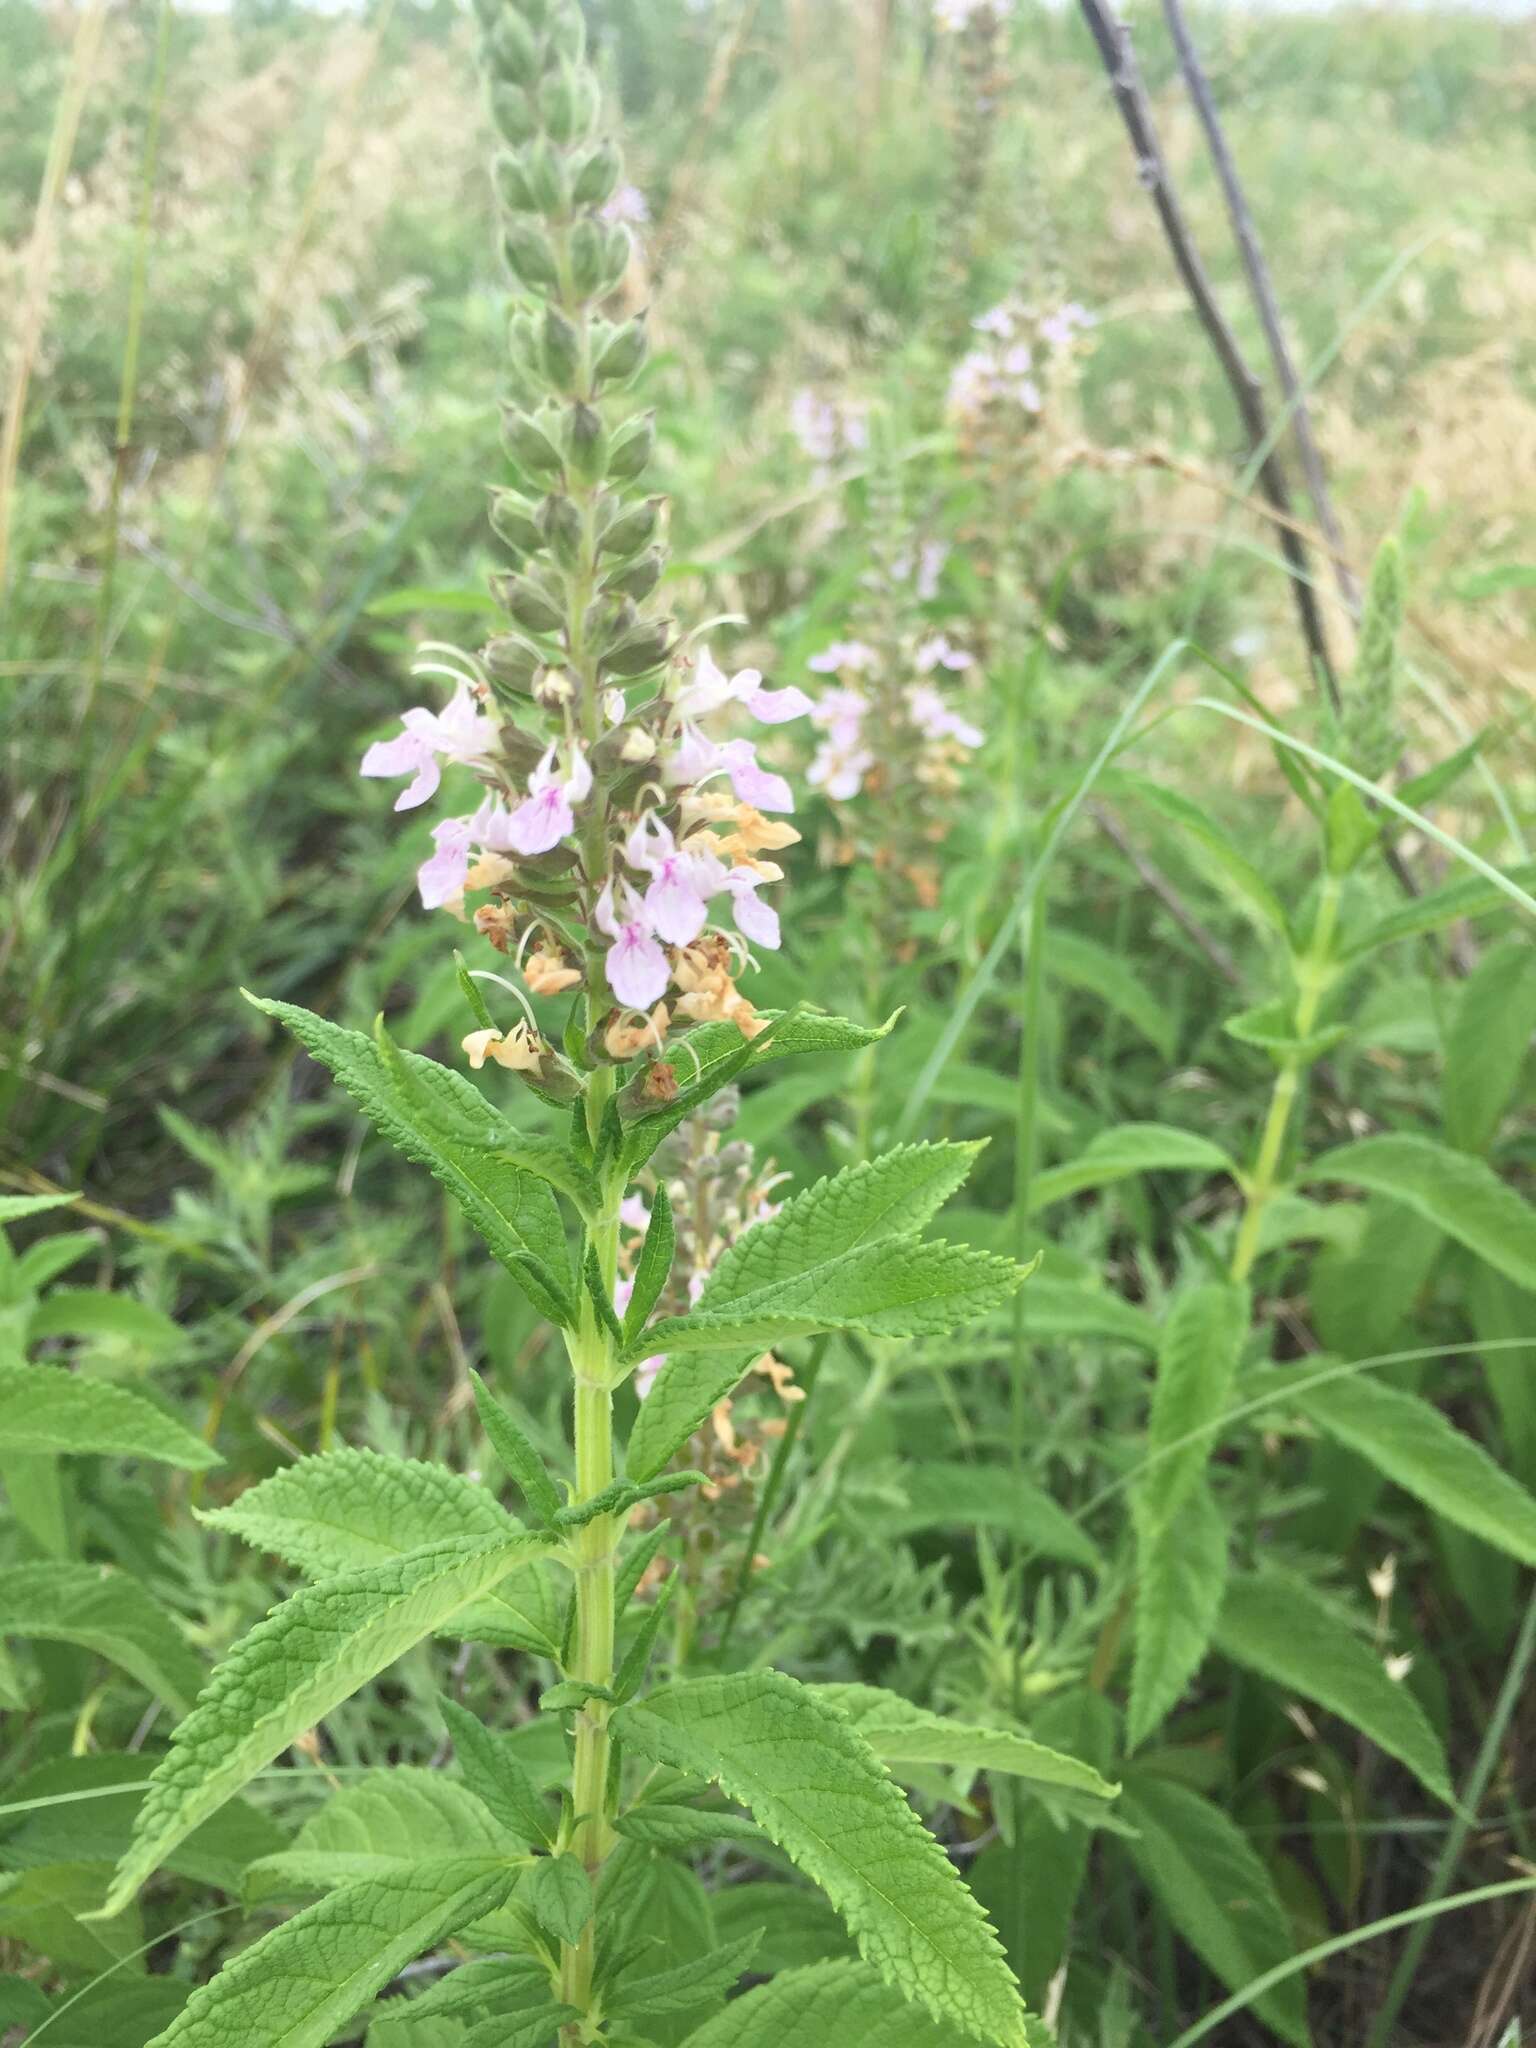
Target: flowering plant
<point>615,823</point>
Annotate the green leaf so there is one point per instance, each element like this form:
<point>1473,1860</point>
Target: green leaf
<point>558,1893</point>
<point>598,1296</point>
<point>1435,909</point>
<point>1227,870</point>
<point>440,1120</point>
<point>112,1321</point>
<point>901,1733</point>
<point>379,1826</point>
<point>1276,1624</point>
<point>49,1408</point>
<point>296,1666</point>
<point>1196,1363</point>
<point>300,1984</point>
<point>1217,1893</point>
<point>654,1265</point>
<point>349,1508</point>
<point>631,1673</point>
<point>1464,1196</point>
<point>1116,1155</point>
<point>106,1612</point>
<point>945,1494</point>
<point>623,1495</point>
<point>1488,1043</point>
<point>14,1207</point>
<point>501,1987</point>
<point>666,1826</point>
<point>494,1774</point>
<point>714,1056</point>
<point>895,1287</point>
<point>50,1909</point>
<point>893,1196</point>
<point>518,1456</point>
<point>50,1256</point>
<point>1420,1451</point>
<point>1181,1569</point>
<point>682,1394</point>
<point>684,1988</point>
<point>830,2005</point>
<point>1271,1028</point>
<point>1083,963</point>
<point>815,1786</point>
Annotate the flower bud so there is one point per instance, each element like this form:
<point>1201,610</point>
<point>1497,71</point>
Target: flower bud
<point>530,602</point>
<point>641,650</point>
<point>598,175</point>
<point>621,356</point>
<point>599,256</point>
<point>631,447</point>
<point>534,12</point>
<point>560,350</point>
<point>529,252</point>
<point>586,443</point>
<point>554,689</point>
<point>568,102</point>
<point>513,188</point>
<point>566,31</point>
<point>607,619</point>
<point>637,579</point>
<point>626,746</point>
<point>548,179</point>
<point>511,661</point>
<point>512,523</point>
<point>528,445</point>
<point>513,112</point>
<point>523,348</point>
<point>632,529</point>
<point>512,49</point>
<point>561,525</point>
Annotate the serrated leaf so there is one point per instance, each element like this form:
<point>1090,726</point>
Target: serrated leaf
<point>520,1460</point>
<point>654,1263</point>
<point>531,2029</point>
<point>1217,1893</point>
<point>378,1827</point>
<point>814,1785</point>
<point>558,1893</point>
<point>685,1987</point>
<point>715,1055</point>
<point>345,1509</point>
<point>1420,1451</point>
<point>896,1287</point>
<point>663,1825</point>
<point>1488,1043</point>
<point>445,1124</point>
<point>50,1256</point>
<point>621,1496</point>
<point>829,2005</point>
<point>1276,1624</point>
<point>13,1208</point>
<point>48,1408</point>
<point>298,1985</point>
<point>106,1612</point>
<point>892,1196</point>
<point>296,1666</point>
<point>1128,1149</point>
<point>901,1733</point>
<point>1436,908</point>
<point>952,1494</point>
<point>118,1321</point>
<point>495,1775</point>
<point>1271,1028</point>
<point>631,1673</point>
<point>1196,1363</point>
<point>1464,1196</point>
<point>502,1986</point>
<point>1181,1570</point>
<point>682,1394</point>
<point>50,1909</point>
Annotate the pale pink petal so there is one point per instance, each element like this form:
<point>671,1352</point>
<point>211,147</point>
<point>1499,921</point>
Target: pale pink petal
<point>752,783</point>
<point>540,822</point>
<point>637,968</point>
<point>755,919</point>
<point>440,878</point>
<point>646,1371</point>
<point>773,707</point>
<point>676,910</point>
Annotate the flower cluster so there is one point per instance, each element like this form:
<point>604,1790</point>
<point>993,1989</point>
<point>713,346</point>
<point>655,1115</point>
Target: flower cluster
<point>828,429</point>
<point>621,839</point>
<point>1015,367</point>
<point>847,758</point>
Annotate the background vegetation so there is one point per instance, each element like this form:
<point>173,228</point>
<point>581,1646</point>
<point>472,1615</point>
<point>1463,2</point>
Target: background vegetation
<point>254,316</point>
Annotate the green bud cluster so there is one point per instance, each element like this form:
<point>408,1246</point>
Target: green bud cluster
<point>1372,738</point>
<point>585,554</point>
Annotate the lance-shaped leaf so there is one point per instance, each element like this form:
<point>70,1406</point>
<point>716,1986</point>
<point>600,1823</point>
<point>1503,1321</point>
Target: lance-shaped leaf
<point>14,1207</point>
<point>682,1394</point>
<point>1463,1195</point>
<point>892,1196</point>
<point>896,1287</point>
<point>518,1456</point>
<point>443,1122</point>
<point>349,1508</point>
<point>1276,1624</point>
<point>901,1733</point>
<point>654,1263</point>
<point>1181,1570</point>
<point>106,1612</point>
<point>1128,1149</point>
<point>1196,1361</point>
<point>558,1893</point>
<point>495,1775</point>
<point>296,1666</point>
<point>378,1826</point>
<point>816,1787</point>
<point>684,1988</point>
<point>299,1985</point>
<point>48,1408</point>
<point>958,1494</point>
<point>830,2005</point>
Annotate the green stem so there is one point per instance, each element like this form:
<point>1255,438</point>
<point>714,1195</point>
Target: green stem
<point>1312,978</point>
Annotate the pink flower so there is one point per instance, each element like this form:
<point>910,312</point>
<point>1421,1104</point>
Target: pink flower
<point>934,719</point>
<point>755,919</point>
<point>752,783</point>
<point>840,770</point>
<point>634,1215</point>
<point>646,1371</point>
<point>938,653</point>
<point>636,966</point>
<point>677,900</point>
<point>998,321</point>
<point>440,878</point>
<point>545,817</point>
<point>627,205</point>
<point>711,688</point>
<point>843,654</point>
<point>460,732</point>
